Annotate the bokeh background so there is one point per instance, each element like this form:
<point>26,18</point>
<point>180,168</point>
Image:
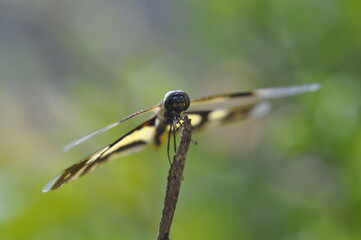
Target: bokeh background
<point>70,67</point>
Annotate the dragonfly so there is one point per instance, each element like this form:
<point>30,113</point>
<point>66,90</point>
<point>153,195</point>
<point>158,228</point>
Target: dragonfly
<point>167,119</point>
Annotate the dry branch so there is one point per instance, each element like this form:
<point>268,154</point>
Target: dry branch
<point>175,178</point>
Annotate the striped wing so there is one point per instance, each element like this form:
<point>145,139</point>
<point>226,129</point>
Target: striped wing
<point>201,119</point>
<point>259,94</point>
<point>209,118</point>
<point>146,132</point>
<point>106,128</point>
<point>134,140</point>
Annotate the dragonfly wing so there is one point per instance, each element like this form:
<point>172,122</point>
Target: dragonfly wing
<point>260,94</point>
<point>134,140</point>
<point>82,139</point>
<point>209,118</point>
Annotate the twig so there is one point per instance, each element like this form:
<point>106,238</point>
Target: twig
<point>175,178</point>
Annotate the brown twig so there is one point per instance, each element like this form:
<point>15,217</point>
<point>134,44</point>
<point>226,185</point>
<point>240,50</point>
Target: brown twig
<point>175,178</point>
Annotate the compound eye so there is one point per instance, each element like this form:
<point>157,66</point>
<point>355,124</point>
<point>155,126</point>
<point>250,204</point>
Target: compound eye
<point>176,101</point>
<point>178,98</point>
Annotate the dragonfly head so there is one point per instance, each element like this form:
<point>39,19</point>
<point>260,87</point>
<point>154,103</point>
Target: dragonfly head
<point>176,101</point>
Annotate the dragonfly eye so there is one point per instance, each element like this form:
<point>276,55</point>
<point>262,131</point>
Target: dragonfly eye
<point>176,101</point>
<point>178,98</point>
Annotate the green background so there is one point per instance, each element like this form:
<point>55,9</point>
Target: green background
<point>70,67</point>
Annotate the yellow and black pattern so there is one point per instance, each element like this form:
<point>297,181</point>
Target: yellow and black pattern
<point>133,141</point>
<point>168,112</point>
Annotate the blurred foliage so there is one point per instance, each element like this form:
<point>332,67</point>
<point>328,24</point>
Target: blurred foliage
<point>70,67</point>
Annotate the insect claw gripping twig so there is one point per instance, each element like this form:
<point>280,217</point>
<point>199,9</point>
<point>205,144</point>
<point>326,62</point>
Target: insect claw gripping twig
<point>168,143</point>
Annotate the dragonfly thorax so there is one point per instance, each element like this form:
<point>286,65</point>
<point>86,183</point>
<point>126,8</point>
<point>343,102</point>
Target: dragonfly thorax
<point>176,101</point>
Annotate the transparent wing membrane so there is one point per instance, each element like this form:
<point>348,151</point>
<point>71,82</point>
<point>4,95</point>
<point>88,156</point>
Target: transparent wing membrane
<point>260,94</point>
<point>82,139</point>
